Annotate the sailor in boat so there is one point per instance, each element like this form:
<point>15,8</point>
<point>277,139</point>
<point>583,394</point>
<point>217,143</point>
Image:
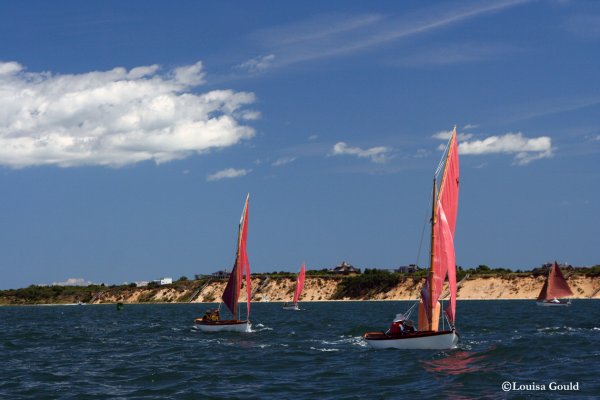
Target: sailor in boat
<point>400,326</point>
<point>207,316</point>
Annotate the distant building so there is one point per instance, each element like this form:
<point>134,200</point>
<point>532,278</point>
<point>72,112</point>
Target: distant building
<point>345,269</point>
<point>141,283</point>
<point>407,269</point>
<point>222,274</point>
<point>163,281</point>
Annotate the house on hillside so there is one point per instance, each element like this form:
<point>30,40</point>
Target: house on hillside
<point>407,269</point>
<point>345,269</point>
<point>163,281</point>
<point>221,274</point>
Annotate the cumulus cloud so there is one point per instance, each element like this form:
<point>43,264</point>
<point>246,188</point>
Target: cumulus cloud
<point>73,282</point>
<point>257,64</point>
<point>524,149</point>
<point>283,161</point>
<point>116,117</point>
<point>228,173</point>
<point>379,154</point>
<point>445,135</point>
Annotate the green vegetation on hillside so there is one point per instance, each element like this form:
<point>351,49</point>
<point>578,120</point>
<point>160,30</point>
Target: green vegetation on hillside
<point>366,284</point>
<point>369,283</point>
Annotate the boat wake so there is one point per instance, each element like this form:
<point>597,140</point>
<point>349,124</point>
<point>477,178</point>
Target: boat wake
<point>260,328</point>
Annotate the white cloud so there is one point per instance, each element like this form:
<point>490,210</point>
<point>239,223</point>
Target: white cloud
<point>257,64</point>
<point>228,173</point>
<point>283,161</point>
<point>313,137</point>
<point>379,154</point>
<point>325,36</point>
<point>421,153</point>
<point>73,282</point>
<point>456,54</point>
<point>115,117</point>
<point>445,135</point>
<point>470,126</point>
<point>524,149</point>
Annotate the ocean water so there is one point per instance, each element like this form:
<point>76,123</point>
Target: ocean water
<point>153,352</point>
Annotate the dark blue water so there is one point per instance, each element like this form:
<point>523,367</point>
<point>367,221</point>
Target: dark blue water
<point>153,352</point>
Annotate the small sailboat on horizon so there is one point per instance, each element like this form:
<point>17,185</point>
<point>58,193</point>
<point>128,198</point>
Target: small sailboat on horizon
<point>555,289</point>
<point>298,291</point>
<point>231,294</point>
<point>402,334</point>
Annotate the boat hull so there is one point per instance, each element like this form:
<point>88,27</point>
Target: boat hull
<point>292,307</point>
<point>560,303</point>
<point>428,340</point>
<point>223,326</point>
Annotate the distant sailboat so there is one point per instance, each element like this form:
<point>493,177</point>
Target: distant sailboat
<point>298,291</point>
<point>231,293</point>
<point>554,289</point>
<point>401,334</point>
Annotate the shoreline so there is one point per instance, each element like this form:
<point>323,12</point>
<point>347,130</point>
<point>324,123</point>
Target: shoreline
<point>316,289</point>
<point>275,302</point>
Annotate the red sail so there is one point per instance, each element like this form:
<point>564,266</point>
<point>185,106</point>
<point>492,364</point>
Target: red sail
<point>232,290</point>
<point>299,283</point>
<point>448,196</point>
<point>245,263</point>
<point>449,258</point>
<point>443,260</point>
<point>448,193</point>
<point>234,285</point>
<point>555,286</point>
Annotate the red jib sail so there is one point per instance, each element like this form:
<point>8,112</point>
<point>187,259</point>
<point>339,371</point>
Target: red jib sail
<point>300,283</point>
<point>448,196</point>
<point>234,285</point>
<point>555,286</point>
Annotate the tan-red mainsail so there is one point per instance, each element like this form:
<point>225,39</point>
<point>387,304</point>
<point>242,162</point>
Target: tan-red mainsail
<point>556,285</point>
<point>241,265</point>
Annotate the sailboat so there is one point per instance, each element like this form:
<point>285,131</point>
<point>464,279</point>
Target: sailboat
<point>554,289</point>
<point>298,291</point>
<point>231,293</point>
<point>442,263</point>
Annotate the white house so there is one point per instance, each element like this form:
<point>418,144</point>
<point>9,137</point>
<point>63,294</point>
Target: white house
<point>166,281</point>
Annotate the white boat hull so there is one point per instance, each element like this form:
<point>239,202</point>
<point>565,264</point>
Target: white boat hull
<point>292,307</point>
<point>238,326</point>
<point>553,304</point>
<point>426,341</point>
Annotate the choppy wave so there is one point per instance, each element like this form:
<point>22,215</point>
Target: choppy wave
<point>154,352</point>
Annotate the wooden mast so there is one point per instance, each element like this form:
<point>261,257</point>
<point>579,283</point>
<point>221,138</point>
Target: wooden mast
<point>432,252</point>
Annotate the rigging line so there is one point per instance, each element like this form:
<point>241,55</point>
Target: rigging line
<point>425,223</point>
<point>441,164</point>
<point>410,310</point>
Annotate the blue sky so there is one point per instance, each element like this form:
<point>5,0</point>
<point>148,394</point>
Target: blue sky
<point>130,133</point>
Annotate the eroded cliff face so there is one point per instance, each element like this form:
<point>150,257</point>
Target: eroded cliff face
<point>323,288</point>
